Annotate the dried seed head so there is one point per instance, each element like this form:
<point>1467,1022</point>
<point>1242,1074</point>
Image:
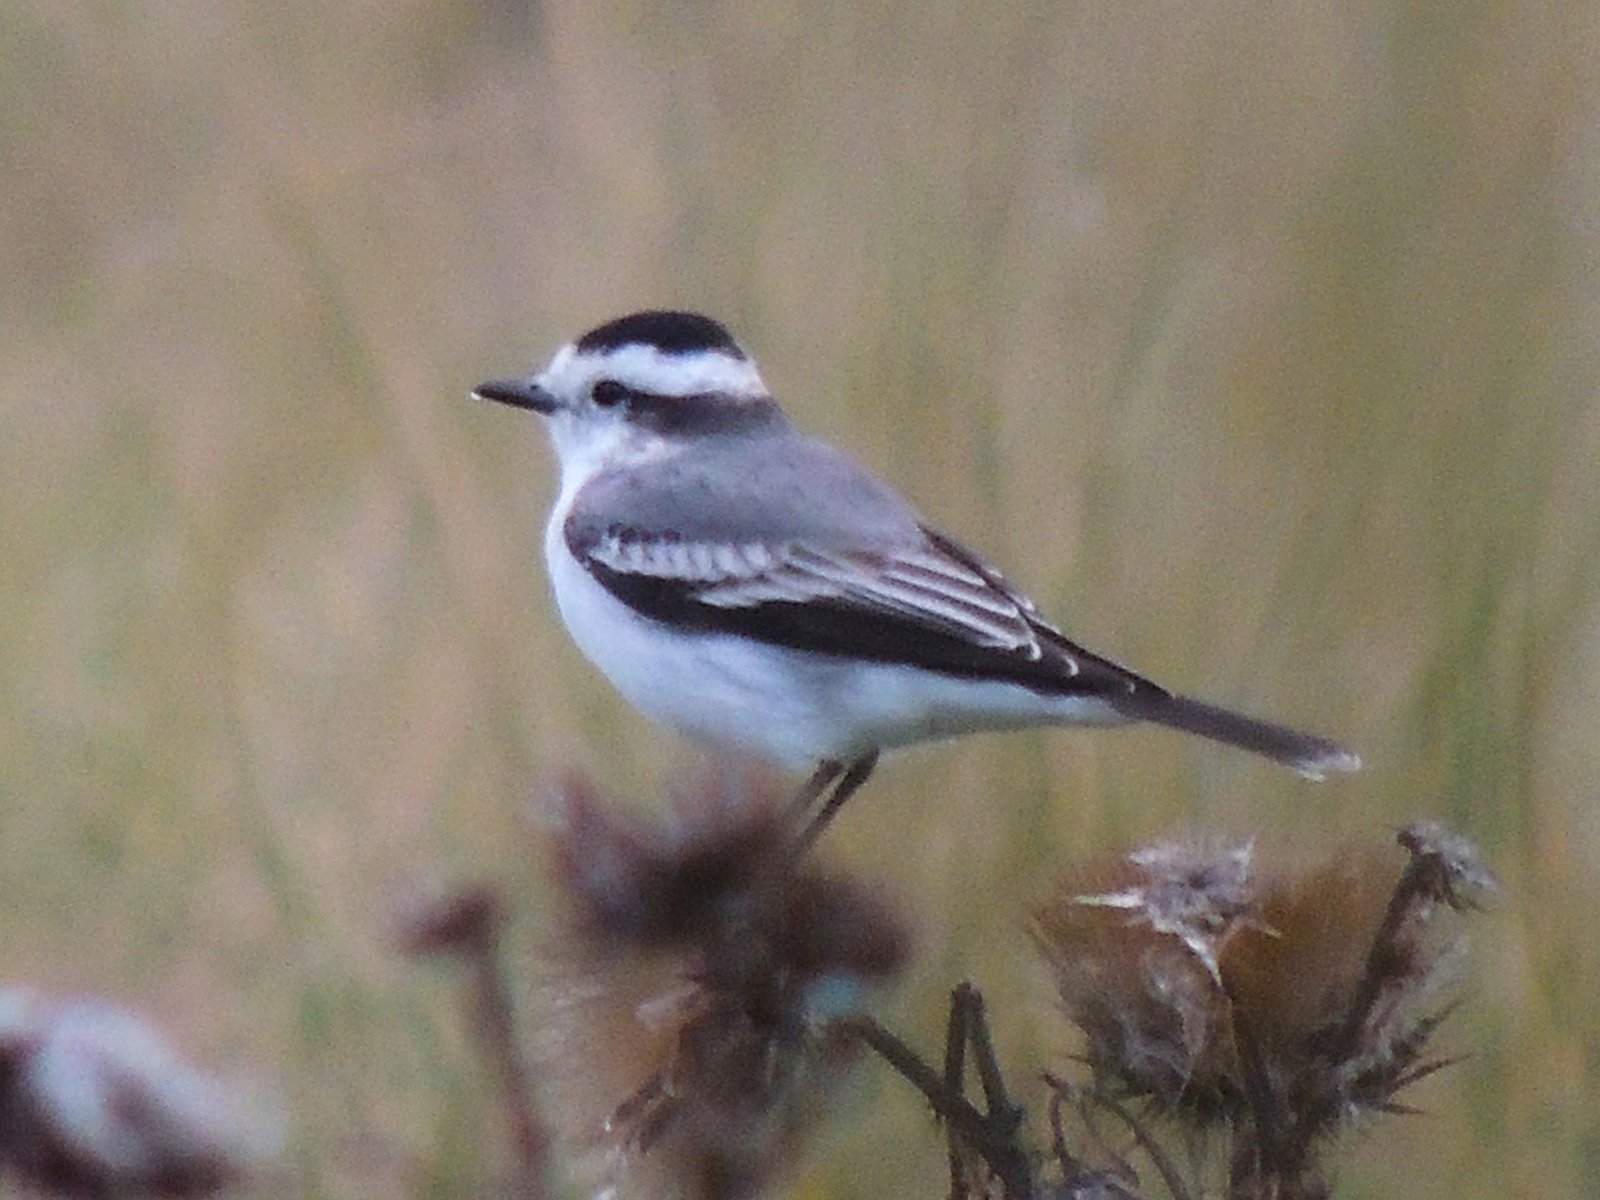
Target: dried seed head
<point>1452,868</point>
<point>1132,945</point>
<point>1200,893</point>
<point>631,884</point>
<point>1294,984</point>
<point>94,1102</point>
<point>691,972</point>
<point>1283,1003</point>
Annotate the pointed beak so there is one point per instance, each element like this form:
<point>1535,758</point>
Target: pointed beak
<point>519,393</point>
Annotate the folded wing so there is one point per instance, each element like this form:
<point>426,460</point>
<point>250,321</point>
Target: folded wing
<point>927,603</point>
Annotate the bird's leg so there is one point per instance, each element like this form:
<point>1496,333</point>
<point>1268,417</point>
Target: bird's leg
<point>854,776</point>
<point>827,771</point>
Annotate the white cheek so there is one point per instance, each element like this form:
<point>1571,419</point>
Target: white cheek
<point>566,437</point>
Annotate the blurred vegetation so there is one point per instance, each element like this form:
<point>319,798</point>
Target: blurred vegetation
<point>1257,341</point>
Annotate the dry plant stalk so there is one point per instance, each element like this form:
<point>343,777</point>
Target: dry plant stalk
<point>1275,1009</point>
<point>704,986</point>
<point>465,923</point>
<point>694,970</point>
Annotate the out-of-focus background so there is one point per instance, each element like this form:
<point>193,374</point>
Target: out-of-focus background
<point>1257,341</point>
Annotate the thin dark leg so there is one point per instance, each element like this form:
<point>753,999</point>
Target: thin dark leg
<point>827,771</point>
<point>856,775</point>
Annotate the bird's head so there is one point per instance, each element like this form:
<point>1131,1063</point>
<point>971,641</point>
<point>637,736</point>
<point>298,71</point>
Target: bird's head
<point>641,386</point>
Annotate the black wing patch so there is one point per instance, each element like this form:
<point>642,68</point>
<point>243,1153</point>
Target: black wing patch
<point>935,606</point>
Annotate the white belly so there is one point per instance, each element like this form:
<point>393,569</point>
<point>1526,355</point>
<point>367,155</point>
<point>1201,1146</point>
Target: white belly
<point>793,708</point>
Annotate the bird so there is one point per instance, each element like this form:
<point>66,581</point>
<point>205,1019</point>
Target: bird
<point>750,585</point>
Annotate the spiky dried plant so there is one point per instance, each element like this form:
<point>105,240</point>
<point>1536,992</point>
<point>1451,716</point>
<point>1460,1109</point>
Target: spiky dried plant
<point>1134,944</point>
<point>693,967</point>
<point>94,1102</point>
<point>1274,1007</point>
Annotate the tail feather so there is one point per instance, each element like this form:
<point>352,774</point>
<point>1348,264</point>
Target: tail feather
<point>1313,757</point>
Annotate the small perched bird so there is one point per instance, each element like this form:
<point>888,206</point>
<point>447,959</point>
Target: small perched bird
<point>750,585</point>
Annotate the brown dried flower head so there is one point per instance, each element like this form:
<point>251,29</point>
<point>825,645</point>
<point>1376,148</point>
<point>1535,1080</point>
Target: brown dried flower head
<point>94,1102</point>
<point>1282,1004</point>
<point>1133,945</point>
<point>691,972</point>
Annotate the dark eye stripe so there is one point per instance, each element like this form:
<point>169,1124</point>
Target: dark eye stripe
<point>705,412</point>
<point>608,393</point>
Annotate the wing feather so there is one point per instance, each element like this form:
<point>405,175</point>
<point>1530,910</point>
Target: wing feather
<point>920,585</point>
<point>738,538</point>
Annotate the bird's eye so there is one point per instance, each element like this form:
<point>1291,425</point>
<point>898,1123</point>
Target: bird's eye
<point>608,393</point>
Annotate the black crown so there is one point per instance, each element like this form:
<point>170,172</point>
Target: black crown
<point>668,332</point>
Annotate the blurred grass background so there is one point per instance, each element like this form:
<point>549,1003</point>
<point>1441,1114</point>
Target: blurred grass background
<point>1257,341</point>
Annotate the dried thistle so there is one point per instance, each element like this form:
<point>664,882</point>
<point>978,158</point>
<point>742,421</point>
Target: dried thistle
<point>693,970</point>
<point>94,1102</point>
<point>1200,894</point>
<point>1133,945</point>
<point>1341,1007</point>
<point>1277,1007</point>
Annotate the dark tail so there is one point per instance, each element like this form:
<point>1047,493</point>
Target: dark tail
<point>1311,756</point>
